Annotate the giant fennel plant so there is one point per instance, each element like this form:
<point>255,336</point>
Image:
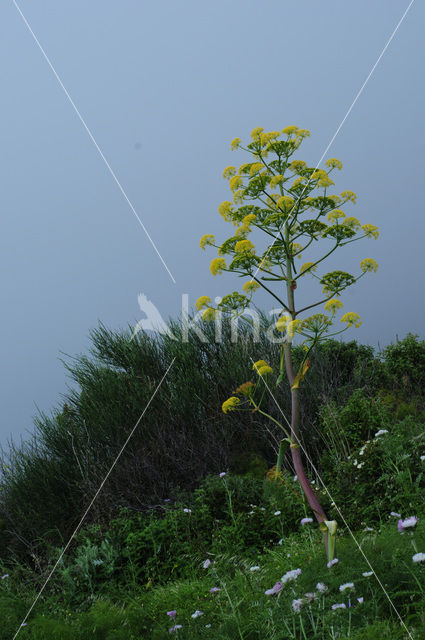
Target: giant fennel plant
<point>291,204</point>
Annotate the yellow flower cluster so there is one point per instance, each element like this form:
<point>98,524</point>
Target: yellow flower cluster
<point>323,180</point>
<point>249,219</point>
<point>266,138</point>
<point>335,215</point>
<point>352,319</point>
<point>256,133</point>
<point>297,181</point>
<point>369,264</point>
<point>349,196</point>
<point>207,239</point>
<point>202,302</point>
<point>239,196</point>
<point>370,230</point>
<point>295,248</point>
<point>235,183</point>
<point>308,266</point>
<point>225,209</point>
<point>209,314</point>
<point>333,305</point>
<point>262,368</point>
<point>351,222</point>
<point>245,389</point>
<point>285,202</point>
<point>229,172</point>
<point>255,168</point>
<point>290,326</point>
<point>230,404</point>
<point>276,180</point>
<point>333,163</point>
<point>250,286</point>
<point>289,131</point>
<point>244,246</point>
<point>235,143</point>
<point>296,165</point>
<point>217,266</point>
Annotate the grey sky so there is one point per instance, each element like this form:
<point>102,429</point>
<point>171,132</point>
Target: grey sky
<point>164,87</point>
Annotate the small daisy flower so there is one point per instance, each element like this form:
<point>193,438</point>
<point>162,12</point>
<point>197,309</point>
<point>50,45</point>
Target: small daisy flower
<point>418,557</point>
<point>197,614</point>
<point>408,523</point>
<point>172,614</point>
<point>332,562</point>
<point>254,568</point>
<point>206,563</point>
<point>339,606</point>
<point>304,521</point>
<point>275,589</point>
<point>346,586</point>
<point>367,574</point>
<point>215,589</point>
<point>321,587</point>
<point>222,474</point>
<point>297,605</point>
<point>291,575</point>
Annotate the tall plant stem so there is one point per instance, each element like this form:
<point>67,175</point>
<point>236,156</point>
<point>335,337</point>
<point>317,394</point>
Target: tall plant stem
<point>295,415</point>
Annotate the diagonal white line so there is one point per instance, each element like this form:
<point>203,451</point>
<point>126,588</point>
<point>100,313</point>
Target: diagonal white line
<point>93,499</point>
<point>94,141</point>
<point>360,91</point>
<point>337,508</point>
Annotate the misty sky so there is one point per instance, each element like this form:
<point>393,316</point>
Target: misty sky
<point>164,87</point>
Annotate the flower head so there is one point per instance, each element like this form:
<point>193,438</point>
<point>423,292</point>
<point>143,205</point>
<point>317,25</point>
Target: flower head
<point>339,606</point>
<point>202,302</point>
<point>235,182</point>
<point>217,265</point>
<point>197,614</point>
<point>222,474</point>
<point>297,604</point>
<point>172,614</point>
<point>289,131</point>
<point>381,432</point>
<point>225,209</point>
<point>209,314</point>
<point>346,586</point>
<point>321,587</point>
<point>258,364</point>
<point>264,371</point>
<point>256,133</point>
<point>175,628</point>
<point>418,557</point>
<point>369,264</point>
<point>206,240</point>
<point>290,575</point>
<point>256,568</point>
<point>230,404</point>
<point>229,172</point>
<point>306,521</point>
<point>367,574</point>
<point>250,286</point>
<point>335,215</point>
<point>235,143</point>
<point>244,246</point>
<point>408,523</point>
<point>215,589</point>
<point>246,388</point>
<point>349,196</point>
<point>333,305</point>
<point>333,163</point>
<point>352,319</point>
<point>331,563</point>
<point>277,587</point>
<point>207,563</point>
<point>370,230</point>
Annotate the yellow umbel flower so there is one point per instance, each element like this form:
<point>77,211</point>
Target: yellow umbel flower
<point>351,222</point>
<point>282,323</point>
<point>333,305</point>
<point>209,314</point>
<point>225,209</point>
<point>250,286</point>
<point>229,172</point>
<point>255,168</point>
<point>206,240</point>
<point>239,196</point>
<point>244,168</point>
<point>230,404</point>
<point>322,177</point>
<point>242,231</point>
<point>264,371</point>
<point>244,246</point>
<point>295,248</point>
<point>352,319</point>
<point>349,196</point>
<point>265,138</point>
<point>297,182</point>
<point>259,363</point>
<point>335,215</point>
<point>276,180</point>
<point>289,131</point>
<point>308,266</point>
<point>334,163</point>
<point>256,133</point>
<point>296,165</point>
<point>217,266</point>
<point>249,219</point>
<point>202,302</point>
<point>302,133</point>
<point>246,388</point>
<point>369,264</point>
<point>293,327</point>
<point>235,183</point>
<point>285,202</point>
<point>370,230</point>
<point>235,143</point>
